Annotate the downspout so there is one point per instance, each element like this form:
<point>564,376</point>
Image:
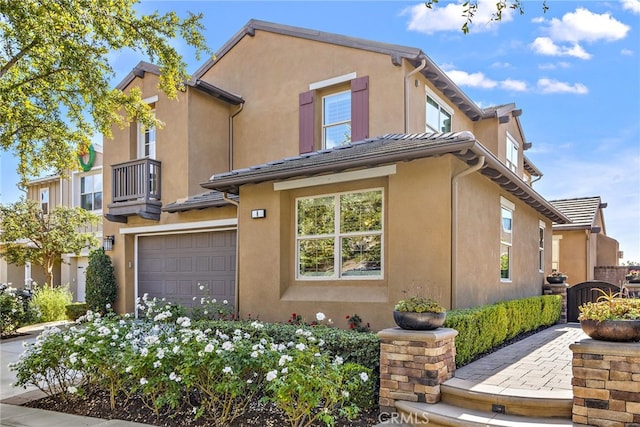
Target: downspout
<point>233,202</point>
<point>231,137</point>
<point>406,93</point>
<point>237,296</point>
<point>454,226</point>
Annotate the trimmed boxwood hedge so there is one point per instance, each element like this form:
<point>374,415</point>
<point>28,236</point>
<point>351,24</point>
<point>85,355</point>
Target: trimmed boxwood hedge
<point>482,328</point>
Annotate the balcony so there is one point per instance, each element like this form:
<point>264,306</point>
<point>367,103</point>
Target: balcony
<point>135,190</point>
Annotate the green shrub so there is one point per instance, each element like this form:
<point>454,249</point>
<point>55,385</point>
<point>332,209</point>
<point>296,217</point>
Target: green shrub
<point>101,286</point>
<point>12,311</point>
<point>76,310</point>
<point>482,328</point>
<point>50,304</point>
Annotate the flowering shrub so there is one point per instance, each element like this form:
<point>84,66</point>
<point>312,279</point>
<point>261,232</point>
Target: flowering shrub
<point>12,310</point>
<point>355,323</point>
<point>211,308</point>
<point>169,361</point>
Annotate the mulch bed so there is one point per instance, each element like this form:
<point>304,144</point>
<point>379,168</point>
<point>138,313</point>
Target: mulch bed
<point>96,404</point>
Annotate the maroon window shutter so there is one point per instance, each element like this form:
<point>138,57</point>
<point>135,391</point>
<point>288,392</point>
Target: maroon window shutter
<point>360,109</point>
<point>306,121</point>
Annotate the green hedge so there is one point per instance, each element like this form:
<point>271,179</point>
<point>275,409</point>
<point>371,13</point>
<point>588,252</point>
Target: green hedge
<point>482,328</point>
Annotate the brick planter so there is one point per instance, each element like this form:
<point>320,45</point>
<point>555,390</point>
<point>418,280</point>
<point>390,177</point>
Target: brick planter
<point>413,364</point>
<point>606,383</point>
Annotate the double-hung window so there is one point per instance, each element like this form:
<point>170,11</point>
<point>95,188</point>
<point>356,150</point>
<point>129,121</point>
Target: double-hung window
<point>541,228</point>
<point>336,119</point>
<point>147,140</point>
<point>44,200</point>
<point>340,236</point>
<point>512,154</point>
<point>506,239</point>
<point>438,115</point>
<point>91,192</point>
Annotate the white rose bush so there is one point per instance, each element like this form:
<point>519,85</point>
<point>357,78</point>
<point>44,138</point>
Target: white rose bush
<point>216,369</point>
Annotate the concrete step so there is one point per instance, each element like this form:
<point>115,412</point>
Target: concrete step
<point>446,415</point>
<point>507,401</point>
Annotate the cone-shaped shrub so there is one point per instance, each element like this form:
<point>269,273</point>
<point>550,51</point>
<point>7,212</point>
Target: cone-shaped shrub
<point>102,289</point>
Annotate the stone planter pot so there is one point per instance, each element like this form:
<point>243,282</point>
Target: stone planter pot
<point>556,279</point>
<point>632,279</point>
<point>419,321</point>
<point>612,330</point>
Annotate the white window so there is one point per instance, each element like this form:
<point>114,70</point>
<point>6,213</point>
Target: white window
<point>541,229</point>
<point>336,119</point>
<point>512,153</point>
<point>438,115</point>
<point>555,253</point>
<point>339,236</point>
<point>44,200</point>
<point>506,239</point>
<point>147,140</point>
<point>91,192</point>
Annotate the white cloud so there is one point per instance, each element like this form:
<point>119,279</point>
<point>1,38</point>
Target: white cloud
<point>554,86</point>
<point>546,46</point>
<point>584,25</point>
<point>514,85</point>
<point>626,52</point>
<point>449,17</point>
<point>501,65</point>
<point>462,78</point>
<point>631,5</point>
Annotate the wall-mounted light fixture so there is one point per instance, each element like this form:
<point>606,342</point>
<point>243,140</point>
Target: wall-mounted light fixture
<point>107,242</point>
<point>258,213</point>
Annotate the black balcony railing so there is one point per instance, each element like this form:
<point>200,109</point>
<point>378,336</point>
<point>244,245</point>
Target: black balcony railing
<point>136,180</point>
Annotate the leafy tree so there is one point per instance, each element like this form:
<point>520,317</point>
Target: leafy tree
<point>28,235</point>
<point>102,289</point>
<point>470,7</point>
<point>54,74</point>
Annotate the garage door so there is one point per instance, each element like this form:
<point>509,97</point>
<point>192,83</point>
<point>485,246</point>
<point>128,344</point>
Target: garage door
<point>175,266</point>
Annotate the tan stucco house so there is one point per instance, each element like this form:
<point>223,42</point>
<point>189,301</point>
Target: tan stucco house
<point>78,188</point>
<point>582,244</point>
<point>301,171</point>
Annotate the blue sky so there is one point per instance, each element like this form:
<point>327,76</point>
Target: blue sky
<point>574,71</point>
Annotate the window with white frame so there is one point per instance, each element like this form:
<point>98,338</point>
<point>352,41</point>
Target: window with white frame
<point>512,153</point>
<point>91,192</point>
<point>339,236</point>
<point>438,115</point>
<point>336,119</point>
<point>506,238</point>
<point>147,140</point>
<point>541,228</point>
<point>44,200</point>
<point>555,252</point>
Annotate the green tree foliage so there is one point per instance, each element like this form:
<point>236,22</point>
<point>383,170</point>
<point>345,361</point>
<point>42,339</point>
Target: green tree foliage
<point>102,289</point>
<point>28,235</point>
<point>470,7</point>
<point>54,73</point>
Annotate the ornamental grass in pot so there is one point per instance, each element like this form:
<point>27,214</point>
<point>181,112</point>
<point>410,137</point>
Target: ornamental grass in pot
<point>613,317</point>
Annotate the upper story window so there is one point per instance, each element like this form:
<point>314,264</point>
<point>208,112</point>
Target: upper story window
<point>147,141</point>
<point>512,153</point>
<point>541,228</point>
<point>438,115</point>
<point>91,192</point>
<point>506,238</point>
<point>339,236</point>
<point>44,200</point>
<point>336,119</point>
<point>341,115</point>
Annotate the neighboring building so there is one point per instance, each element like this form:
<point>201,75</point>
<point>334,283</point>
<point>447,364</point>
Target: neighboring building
<point>341,173</point>
<point>582,244</point>
<point>81,188</point>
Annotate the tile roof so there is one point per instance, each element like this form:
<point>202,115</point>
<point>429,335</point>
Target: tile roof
<point>388,149</point>
<point>581,211</point>
<point>210,199</point>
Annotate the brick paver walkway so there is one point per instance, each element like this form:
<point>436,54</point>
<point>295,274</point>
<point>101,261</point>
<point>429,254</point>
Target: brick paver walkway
<point>539,362</point>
